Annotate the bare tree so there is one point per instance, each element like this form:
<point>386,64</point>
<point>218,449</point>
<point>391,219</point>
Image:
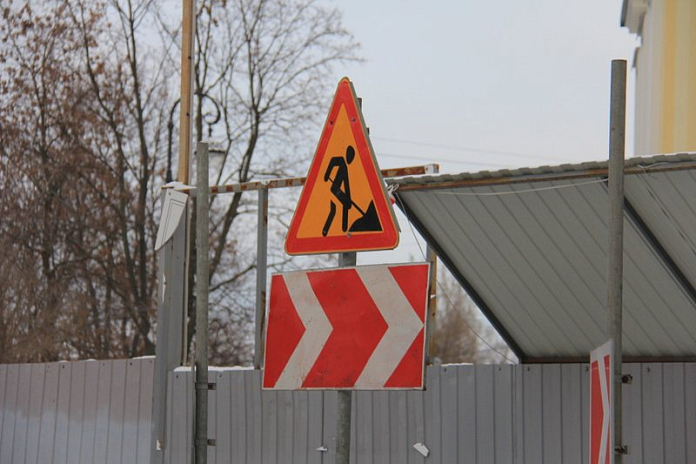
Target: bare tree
<point>460,335</point>
<point>129,92</point>
<point>262,85</point>
<point>42,201</point>
<point>77,151</point>
<point>81,159</point>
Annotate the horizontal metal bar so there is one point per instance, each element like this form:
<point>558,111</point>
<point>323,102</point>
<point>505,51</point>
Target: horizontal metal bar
<point>513,179</point>
<point>300,181</point>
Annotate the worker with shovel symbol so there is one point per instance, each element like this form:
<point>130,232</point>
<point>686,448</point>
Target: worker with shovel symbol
<point>340,188</point>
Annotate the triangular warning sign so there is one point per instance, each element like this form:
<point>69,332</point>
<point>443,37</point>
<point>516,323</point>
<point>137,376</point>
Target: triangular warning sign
<point>343,205</point>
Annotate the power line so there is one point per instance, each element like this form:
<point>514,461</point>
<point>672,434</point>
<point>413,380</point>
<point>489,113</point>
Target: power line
<point>447,297</point>
<point>442,160</point>
<point>473,149</point>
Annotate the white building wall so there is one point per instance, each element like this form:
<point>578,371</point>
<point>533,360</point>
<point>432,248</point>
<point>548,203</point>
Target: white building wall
<point>665,64</point>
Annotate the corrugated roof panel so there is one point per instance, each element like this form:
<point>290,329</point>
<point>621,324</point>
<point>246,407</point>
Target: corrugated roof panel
<point>673,225</point>
<point>534,250</point>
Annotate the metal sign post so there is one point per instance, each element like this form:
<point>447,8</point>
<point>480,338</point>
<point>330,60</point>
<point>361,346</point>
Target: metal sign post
<point>345,397</point>
<point>616,219</point>
<point>261,268</point>
<point>201,361</point>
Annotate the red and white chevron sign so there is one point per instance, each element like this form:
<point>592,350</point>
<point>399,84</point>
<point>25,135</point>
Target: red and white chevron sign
<point>357,328</point>
<point>601,437</point>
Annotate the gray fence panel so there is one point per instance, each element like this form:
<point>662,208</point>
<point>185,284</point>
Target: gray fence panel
<point>131,410</point>
<point>449,394</point>
<point>381,427</point>
<point>674,414</point>
<point>115,415</point>
<point>485,414</point>
<point>4,387</point>
<point>101,430</point>
<point>653,428</point>
<point>533,433</point>
<point>398,446</point>
<point>416,421</point>
<point>19,445</point>
<point>315,430</point>
<point>571,412</point>
<point>329,430</point>
<point>518,419</point>
<point>503,414</point>
<point>255,439</point>
<point>362,427</point>
<point>223,416</point>
<point>76,410</point>
<point>36,391</point>
<point>9,419</point>
<point>62,413</point>
<point>242,418</point>
<point>433,417</point>
<point>60,451</point>
<point>585,396</point>
<point>47,415</point>
<point>551,411</point>
<point>3,391</point>
<point>100,411</point>
<point>690,410</point>
<point>147,373</point>
<point>632,416</point>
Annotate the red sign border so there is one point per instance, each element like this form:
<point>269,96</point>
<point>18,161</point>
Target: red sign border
<point>598,355</point>
<point>388,238</point>
<point>423,378</point>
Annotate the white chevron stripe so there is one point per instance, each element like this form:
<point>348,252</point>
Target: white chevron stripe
<point>403,326</point>
<point>606,419</point>
<point>317,331</point>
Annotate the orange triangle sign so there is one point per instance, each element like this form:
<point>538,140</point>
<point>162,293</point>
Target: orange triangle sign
<point>343,205</point>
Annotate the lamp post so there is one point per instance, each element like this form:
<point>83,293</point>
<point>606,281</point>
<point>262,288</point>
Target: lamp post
<point>216,116</point>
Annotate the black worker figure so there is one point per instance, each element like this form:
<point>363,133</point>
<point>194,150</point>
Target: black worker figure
<point>340,188</point>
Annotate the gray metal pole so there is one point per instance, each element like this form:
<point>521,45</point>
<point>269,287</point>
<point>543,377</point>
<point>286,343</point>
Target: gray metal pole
<point>202,193</point>
<point>261,266</point>
<point>345,398</point>
<point>617,139</point>
<point>432,303</point>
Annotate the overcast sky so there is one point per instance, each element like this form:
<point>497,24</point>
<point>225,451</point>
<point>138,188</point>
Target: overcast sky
<point>485,85</point>
<point>463,82</point>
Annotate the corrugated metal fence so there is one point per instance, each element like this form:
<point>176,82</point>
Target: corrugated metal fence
<point>99,412</point>
<point>76,412</point>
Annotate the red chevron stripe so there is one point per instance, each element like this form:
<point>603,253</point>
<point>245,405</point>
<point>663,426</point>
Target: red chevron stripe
<point>410,280</point>
<point>409,372</point>
<point>358,327</point>
<point>285,329</point>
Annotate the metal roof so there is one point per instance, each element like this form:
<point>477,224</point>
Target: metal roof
<point>530,245</point>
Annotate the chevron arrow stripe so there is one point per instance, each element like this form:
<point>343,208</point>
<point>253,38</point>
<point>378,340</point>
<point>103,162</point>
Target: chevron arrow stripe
<point>317,326</point>
<point>601,372</point>
<point>349,328</point>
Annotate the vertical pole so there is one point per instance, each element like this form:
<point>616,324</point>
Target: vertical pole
<point>188,32</point>
<point>617,138</point>
<point>202,193</point>
<point>343,416</point>
<point>261,266</point>
<point>431,256</point>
